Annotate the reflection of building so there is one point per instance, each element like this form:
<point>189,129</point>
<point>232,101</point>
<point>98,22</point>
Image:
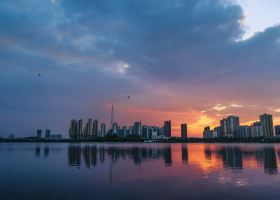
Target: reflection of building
<point>267,124</point>
<point>207,153</point>
<point>184,131</point>
<point>232,157</point>
<point>185,154</point>
<point>269,160</point>
<point>167,156</point>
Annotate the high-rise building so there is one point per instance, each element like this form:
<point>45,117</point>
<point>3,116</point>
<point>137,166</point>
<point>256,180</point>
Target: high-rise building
<point>88,129</point>
<point>207,133</point>
<point>95,128</point>
<point>48,133</point>
<point>277,130</point>
<point>229,126</point>
<point>103,130</point>
<point>184,131</point>
<point>267,125</point>
<point>80,128</point>
<point>243,132</point>
<point>137,128</point>
<point>217,132</point>
<point>167,128</point>
<point>115,128</point>
<point>39,133</point>
<point>256,130</point>
<point>73,129</point>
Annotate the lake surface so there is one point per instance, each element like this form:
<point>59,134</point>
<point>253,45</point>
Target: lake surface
<point>139,171</point>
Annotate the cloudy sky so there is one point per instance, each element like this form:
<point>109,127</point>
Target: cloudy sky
<point>192,61</point>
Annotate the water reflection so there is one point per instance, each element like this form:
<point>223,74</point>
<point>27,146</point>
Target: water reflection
<point>231,157</point>
<point>92,155</point>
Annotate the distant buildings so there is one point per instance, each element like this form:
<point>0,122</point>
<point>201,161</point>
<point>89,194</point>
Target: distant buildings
<point>184,131</point>
<point>230,128</point>
<point>91,130</point>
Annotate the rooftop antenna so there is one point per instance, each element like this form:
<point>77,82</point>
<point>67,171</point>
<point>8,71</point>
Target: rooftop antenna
<point>112,116</point>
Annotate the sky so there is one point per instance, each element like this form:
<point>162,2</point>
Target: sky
<point>190,61</point>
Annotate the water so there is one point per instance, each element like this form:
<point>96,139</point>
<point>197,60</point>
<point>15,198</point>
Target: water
<point>139,171</point>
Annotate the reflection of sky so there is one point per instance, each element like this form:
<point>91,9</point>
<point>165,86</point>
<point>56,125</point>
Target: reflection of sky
<point>162,171</point>
<point>180,60</point>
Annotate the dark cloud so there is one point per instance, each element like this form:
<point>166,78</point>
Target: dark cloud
<point>93,53</point>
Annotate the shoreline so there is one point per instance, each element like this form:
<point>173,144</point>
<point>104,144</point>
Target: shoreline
<point>123,140</point>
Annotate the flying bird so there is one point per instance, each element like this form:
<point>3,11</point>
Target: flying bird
<point>39,75</point>
<point>129,97</point>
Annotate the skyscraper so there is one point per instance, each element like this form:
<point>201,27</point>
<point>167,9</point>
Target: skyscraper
<point>48,133</point>
<point>39,133</point>
<point>88,128</point>
<point>103,130</point>
<point>115,128</point>
<point>167,128</point>
<point>277,130</point>
<point>95,128</point>
<point>229,126</point>
<point>267,125</point>
<point>137,128</point>
<point>80,128</point>
<point>73,129</point>
<point>184,131</point>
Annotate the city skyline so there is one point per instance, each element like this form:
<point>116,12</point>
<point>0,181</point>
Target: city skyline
<point>188,61</point>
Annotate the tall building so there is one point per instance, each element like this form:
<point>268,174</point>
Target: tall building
<point>229,126</point>
<point>243,132</point>
<point>73,129</point>
<point>103,130</point>
<point>267,125</point>
<point>167,128</point>
<point>88,129</point>
<point>39,133</point>
<point>137,128</point>
<point>95,128</point>
<point>256,130</point>
<point>115,128</point>
<point>217,132</point>
<point>207,133</point>
<point>184,131</point>
<point>48,133</point>
<point>80,128</point>
<point>277,130</point>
